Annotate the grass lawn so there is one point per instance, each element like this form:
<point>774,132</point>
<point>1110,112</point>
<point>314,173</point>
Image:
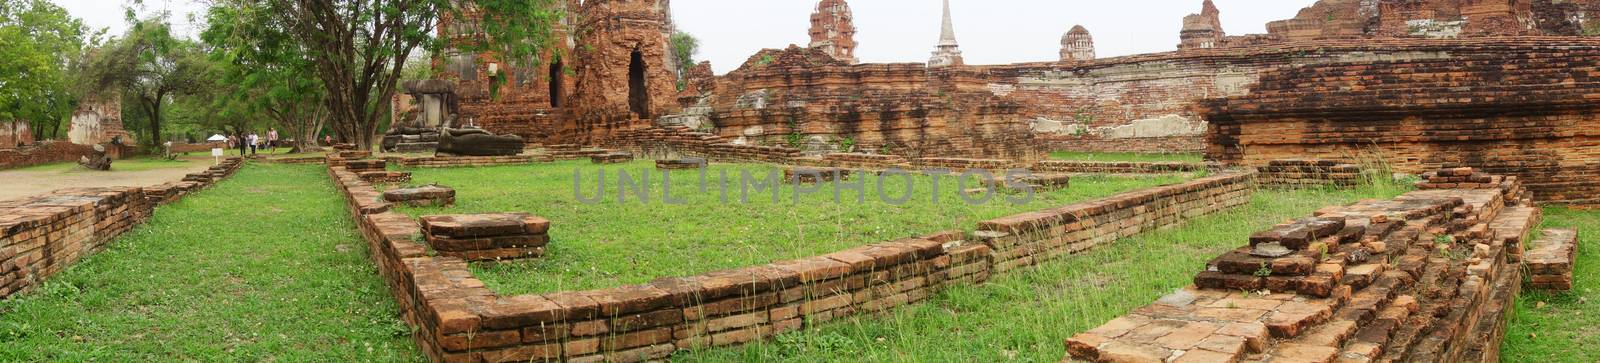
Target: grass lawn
<point>1137,157</point>
<point>612,244</point>
<point>265,266</point>
<point>1561,327</point>
<point>133,164</point>
<point>1025,315</point>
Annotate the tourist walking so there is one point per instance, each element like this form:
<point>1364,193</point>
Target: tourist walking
<point>272,139</point>
<point>254,140</point>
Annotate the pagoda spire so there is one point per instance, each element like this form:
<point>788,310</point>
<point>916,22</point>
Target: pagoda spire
<point>948,52</point>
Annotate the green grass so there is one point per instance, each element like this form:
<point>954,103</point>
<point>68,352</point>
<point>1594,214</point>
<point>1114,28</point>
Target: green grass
<point>1025,315</point>
<point>1138,157</point>
<point>133,164</point>
<point>266,266</point>
<point>1567,327</point>
<point>613,244</point>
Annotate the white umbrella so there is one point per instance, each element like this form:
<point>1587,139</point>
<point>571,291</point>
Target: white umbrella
<point>217,137</point>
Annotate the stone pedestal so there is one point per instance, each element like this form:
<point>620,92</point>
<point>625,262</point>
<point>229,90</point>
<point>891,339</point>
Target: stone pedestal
<point>424,196</point>
<point>480,237</point>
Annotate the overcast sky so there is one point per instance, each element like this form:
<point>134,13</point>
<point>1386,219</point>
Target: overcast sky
<point>990,31</point>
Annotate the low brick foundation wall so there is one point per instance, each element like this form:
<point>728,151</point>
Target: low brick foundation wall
<point>43,153</point>
<point>1119,167</point>
<point>40,236</point>
<point>204,147</point>
<point>1030,238</point>
<point>458,319</point>
<point>1094,144</point>
<point>1309,174</point>
<point>468,161</point>
<point>1425,276</point>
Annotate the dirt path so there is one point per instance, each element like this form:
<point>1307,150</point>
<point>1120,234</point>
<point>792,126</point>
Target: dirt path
<point>23,183</point>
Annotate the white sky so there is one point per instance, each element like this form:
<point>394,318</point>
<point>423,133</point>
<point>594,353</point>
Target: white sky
<point>990,31</point>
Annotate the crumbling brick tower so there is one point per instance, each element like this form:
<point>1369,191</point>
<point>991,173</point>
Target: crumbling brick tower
<point>1077,45</point>
<point>528,103</point>
<point>1203,30</point>
<point>833,30</point>
<point>623,67</point>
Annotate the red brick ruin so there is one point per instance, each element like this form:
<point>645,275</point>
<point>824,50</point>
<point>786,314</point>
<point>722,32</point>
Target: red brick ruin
<point>1487,100</point>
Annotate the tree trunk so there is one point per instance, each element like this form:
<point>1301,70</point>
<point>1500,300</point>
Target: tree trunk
<point>154,109</point>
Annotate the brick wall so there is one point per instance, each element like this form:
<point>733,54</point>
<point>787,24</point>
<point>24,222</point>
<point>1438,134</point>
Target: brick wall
<point>458,319</point>
<point>1300,173</point>
<point>1031,238</point>
<point>466,161</point>
<point>43,153</point>
<point>1514,106</point>
<point>1425,276</point>
<point>1095,144</point>
<point>40,236</point>
<point>1119,167</point>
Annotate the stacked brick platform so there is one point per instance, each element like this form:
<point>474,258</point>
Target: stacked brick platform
<point>682,141</point>
<point>1299,173</point>
<point>1031,238</point>
<point>386,177</point>
<point>963,164</point>
<point>1550,260</point>
<point>40,236</point>
<point>469,161</point>
<point>572,152</point>
<point>1118,167</point>
<point>1096,144</point>
<point>1036,183</point>
<point>856,161</point>
<point>1509,106</point>
<point>1423,277</point>
<point>613,157</point>
<point>458,319</point>
<point>680,164</point>
<point>804,175</point>
<point>423,196</point>
<point>363,166</point>
<point>487,237</point>
<point>1459,177</point>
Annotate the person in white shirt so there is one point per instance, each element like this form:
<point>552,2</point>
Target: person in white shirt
<point>254,140</point>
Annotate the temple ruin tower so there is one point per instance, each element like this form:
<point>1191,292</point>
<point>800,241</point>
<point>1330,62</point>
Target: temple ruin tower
<point>948,53</point>
<point>1077,45</point>
<point>1203,30</point>
<point>833,30</point>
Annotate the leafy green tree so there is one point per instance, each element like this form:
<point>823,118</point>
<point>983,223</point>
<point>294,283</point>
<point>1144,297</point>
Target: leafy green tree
<point>38,42</point>
<point>358,48</point>
<point>150,67</point>
<point>684,47</point>
<point>266,72</point>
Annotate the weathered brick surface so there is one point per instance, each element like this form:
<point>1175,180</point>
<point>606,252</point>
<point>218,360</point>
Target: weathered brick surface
<point>457,318</point>
<point>1303,173</point>
<point>487,237</point>
<point>1474,108</point>
<point>42,153</point>
<point>1550,260</point>
<point>468,161</point>
<point>423,196</point>
<point>40,236</point>
<point>1030,238</point>
<point>1426,276</point>
<point>1119,167</point>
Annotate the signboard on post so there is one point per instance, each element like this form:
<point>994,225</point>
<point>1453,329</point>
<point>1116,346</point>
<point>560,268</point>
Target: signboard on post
<point>216,153</point>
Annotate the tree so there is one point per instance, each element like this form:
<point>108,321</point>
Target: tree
<point>150,67</point>
<point>358,48</point>
<point>38,43</point>
<point>264,70</point>
<point>684,46</point>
